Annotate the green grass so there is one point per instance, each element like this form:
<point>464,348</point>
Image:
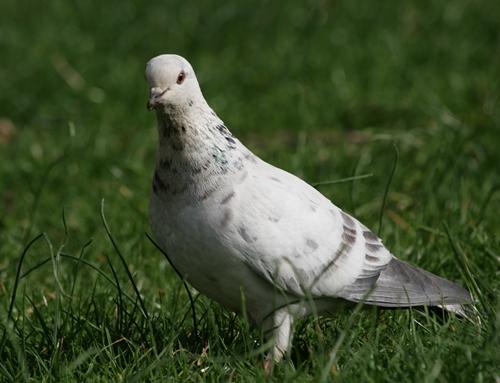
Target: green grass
<point>322,89</point>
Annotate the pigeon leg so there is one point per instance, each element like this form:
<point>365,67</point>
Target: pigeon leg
<point>281,330</point>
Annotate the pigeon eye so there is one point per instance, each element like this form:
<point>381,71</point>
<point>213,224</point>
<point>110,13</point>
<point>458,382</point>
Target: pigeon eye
<point>181,77</point>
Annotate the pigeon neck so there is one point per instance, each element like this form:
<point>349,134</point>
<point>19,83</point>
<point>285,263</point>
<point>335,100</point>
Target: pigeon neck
<point>195,150</point>
<point>187,134</point>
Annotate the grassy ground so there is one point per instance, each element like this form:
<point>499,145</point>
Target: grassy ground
<point>322,89</point>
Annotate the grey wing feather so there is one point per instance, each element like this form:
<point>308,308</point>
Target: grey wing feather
<point>402,285</point>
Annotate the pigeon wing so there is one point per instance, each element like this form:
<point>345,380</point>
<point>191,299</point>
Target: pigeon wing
<point>309,247</point>
<point>295,238</point>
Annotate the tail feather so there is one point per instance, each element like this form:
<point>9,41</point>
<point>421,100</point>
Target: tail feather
<point>403,285</point>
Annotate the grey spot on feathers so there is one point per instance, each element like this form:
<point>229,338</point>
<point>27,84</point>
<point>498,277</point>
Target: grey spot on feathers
<point>311,243</point>
<point>226,217</point>
<point>227,198</point>
<point>369,236</point>
<point>348,238</point>
<point>349,222</point>
<point>275,179</point>
<point>244,234</point>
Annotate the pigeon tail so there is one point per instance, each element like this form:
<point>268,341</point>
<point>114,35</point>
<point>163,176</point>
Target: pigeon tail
<point>403,285</point>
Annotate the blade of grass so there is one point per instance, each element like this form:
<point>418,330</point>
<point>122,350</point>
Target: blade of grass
<point>38,192</point>
<point>342,180</point>
<point>18,274</point>
<point>45,328</point>
<point>131,279</point>
<point>351,186</point>
<point>387,186</point>
<point>465,268</point>
<point>76,268</point>
<point>191,300</point>
<point>486,202</point>
<point>55,264</point>
<point>121,307</point>
<point>124,263</point>
<point>83,262</point>
<point>340,340</point>
<point>20,355</point>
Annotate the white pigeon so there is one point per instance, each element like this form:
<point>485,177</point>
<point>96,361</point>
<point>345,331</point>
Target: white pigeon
<point>255,237</point>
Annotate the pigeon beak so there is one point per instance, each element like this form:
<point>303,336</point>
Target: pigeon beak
<point>154,97</point>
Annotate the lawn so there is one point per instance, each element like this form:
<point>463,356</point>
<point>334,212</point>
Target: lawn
<point>396,102</point>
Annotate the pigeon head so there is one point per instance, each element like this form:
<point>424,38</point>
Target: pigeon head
<point>172,83</point>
